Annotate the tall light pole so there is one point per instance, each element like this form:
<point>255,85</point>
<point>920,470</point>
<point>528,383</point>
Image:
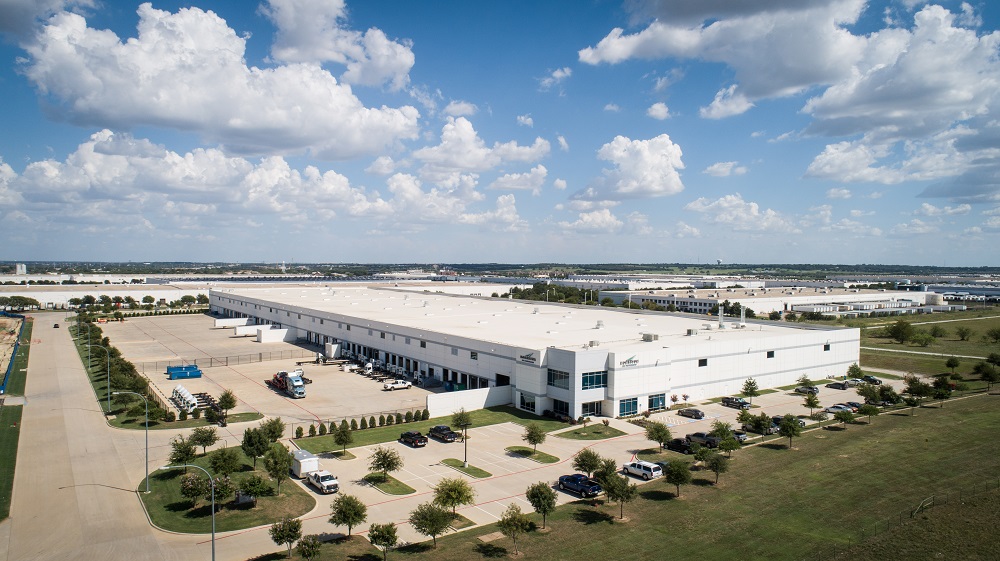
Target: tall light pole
<point>212,482</point>
<point>147,433</point>
<point>109,374</point>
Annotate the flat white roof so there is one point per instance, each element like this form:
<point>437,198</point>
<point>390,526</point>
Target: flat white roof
<point>508,322</point>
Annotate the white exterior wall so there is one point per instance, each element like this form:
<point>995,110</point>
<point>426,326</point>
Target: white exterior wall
<point>231,322</point>
<point>444,404</point>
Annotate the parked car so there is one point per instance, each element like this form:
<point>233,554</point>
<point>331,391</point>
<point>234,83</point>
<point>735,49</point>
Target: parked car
<point>778,418</point>
<point>853,405</point>
<point>740,436</point>
<point>871,380</point>
<point>807,389</point>
<point>413,438</point>
<point>580,484</point>
<point>837,385</point>
<point>396,385</point>
<point>55,325</point>
<point>679,445</point>
<point>645,470</point>
<point>773,429</point>
<point>853,382</point>
<point>833,409</point>
<point>737,402</point>
<point>703,439</point>
<point>443,433</point>
<point>692,413</point>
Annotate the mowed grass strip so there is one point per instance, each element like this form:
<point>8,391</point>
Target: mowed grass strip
<point>536,455</point>
<point>950,344</point>
<point>388,484</point>
<point>389,433</point>
<point>471,471</point>
<point>169,510</point>
<point>10,432</point>
<point>822,492</point>
<point>596,431</point>
<point>19,372</point>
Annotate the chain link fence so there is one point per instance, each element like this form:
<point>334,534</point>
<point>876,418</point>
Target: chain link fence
<point>212,362</point>
<point>895,520</point>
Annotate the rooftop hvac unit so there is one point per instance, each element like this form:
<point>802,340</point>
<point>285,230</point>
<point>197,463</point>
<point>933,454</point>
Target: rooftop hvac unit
<point>692,332</point>
<point>650,337</point>
<point>707,326</point>
<point>593,343</point>
<point>536,311</point>
<point>600,324</point>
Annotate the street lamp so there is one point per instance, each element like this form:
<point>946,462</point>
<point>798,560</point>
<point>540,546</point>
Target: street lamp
<point>212,482</point>
<point>109,372</point>
<point>147,432</point>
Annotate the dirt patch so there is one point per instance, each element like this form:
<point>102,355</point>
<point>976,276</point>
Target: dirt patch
<point>491,537</point>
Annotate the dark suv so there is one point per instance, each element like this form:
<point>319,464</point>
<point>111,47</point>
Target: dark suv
<point>443,433</point>
<point>703,439</point>
<point>692,413</point>
<point>737,402</point>
<point>679,445</point>
<point>413,438</point>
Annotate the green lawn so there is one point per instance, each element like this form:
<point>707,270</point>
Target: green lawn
<point>774,503</point>
<point>169,510</point>
<point>536,455</point>
<point>389,433</point>
<point>19,372</point>
<point>388,484</point>
<point>471,471</point>
<point>10,429</point>
<point>977,345</point>
<point>595,431</point>
<point>918,364</point>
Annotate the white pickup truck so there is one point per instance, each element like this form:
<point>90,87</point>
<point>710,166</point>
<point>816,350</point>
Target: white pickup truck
<point>396,385</point>
<point>323,481</point>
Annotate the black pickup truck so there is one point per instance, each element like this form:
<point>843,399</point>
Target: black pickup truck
<point>413,438</point>
<point>580,484</point>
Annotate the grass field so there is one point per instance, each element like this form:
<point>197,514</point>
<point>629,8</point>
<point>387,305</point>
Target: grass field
<point>595,431</point>
<point>949,344</point>
<point>10,429</point>
<point>378,435</point>
<point>471,471</point>
<point>918,364</point>
<point>169,510</point>
<point>774,503</point>
<point>19,373</point>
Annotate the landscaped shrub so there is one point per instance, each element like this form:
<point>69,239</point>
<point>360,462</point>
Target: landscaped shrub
<point>371,421</point>
<point>298,432</point>
<point>409,416</point>
<point>322,429</point>
<point>389,420</point>
<point>312,430</point>
<point>196,413</point>
<point>211,416</point>
<point>426,415</point>
<point>354,424</point>
<point>364,423</point>
<point>169,416</point>
<point>381,420</point>
<point>184,414</point>
<point>399,418</point>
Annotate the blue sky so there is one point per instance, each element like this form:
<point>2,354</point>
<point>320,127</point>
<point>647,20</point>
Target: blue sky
<point>792,131</point>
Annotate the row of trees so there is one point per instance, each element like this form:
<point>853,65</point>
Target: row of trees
<point>365,423</point>
<point>107,304</point>
<point>903,331</point>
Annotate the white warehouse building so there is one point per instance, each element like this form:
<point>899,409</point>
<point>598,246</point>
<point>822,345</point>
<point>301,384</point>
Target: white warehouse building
<point>574,360</point>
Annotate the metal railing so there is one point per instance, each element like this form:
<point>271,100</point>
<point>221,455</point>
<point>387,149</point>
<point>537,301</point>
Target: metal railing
<point>160,366</point>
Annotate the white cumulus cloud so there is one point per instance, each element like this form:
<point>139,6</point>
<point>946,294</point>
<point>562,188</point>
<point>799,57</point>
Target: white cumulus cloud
<point>727,103</point>
<point>658,111</point>
<point>555,78</point>
<point>594,222</point>
<point>612,107</point>
<point>530,181</point>
<point>643,168</point>
<point>838,193</point>
<point>931,210</point>
<point>461,150</point>
<point>525,120</point>
<point>740,215</point>
<point>457,108</point>
<point>725,169</point>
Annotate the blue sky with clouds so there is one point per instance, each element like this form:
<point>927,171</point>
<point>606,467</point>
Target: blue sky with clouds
<point>791,131</point>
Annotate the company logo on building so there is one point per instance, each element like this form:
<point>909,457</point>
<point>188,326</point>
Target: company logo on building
<point>631,361</point>
<point>530,358</point>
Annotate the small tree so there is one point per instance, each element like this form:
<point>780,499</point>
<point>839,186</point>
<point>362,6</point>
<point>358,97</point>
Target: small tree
<point>621,491</point>
<point>761,423</point>
<point>917,389</point>
<point>805,381</point>
<point>399,418</point>
<point>342,437</point>
<point>225,461</point>
<point>383,536</point>
<point>534,435</point>
<point>987,373</point>
<point>385,461</point>
<point>193,487</point>
<point>299,433</point>
<point>254,486</point>
<point>902,331</point>
<point>811,401</point>
<point>389,420</point>
<point>254,444</point>
<point>542,499</point>
<point>273,429</point>
<point>717,464</point>
<point>819,417</point>
<point>223,489</point>
<point>855,371</point>
<point>750,389</point>
<point>277,462</point>
<point>308,547</point>
<point>744,417</point>
<point>204,437</point>
<point>348,510</point>
<point>408,418</point>
<point>381,420</point>
<point>227,401</point>
<point>869,411</point>
<point>182,451</point>
<point>426,414</point>
<point>789,428</point>
<point>658,432</point>
<point>964,333</point>
<point>674,399</point>
<point>607,469</point>
<point>513,523</point>
<point>364,424</point>
<point>463,420</point>
<point>587,461</point>
<point>952,363</point>
<point>686,397</point>
<point>320,431</point>
<point>993,334</point>
<point>845,416</point>
<point>431,520</point>
<point>729,445</point>
<point>452,492</point>
<point>678,473</point>
<point>286,531</point>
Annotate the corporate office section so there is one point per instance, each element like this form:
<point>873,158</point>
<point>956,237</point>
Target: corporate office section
<point>574,360</point>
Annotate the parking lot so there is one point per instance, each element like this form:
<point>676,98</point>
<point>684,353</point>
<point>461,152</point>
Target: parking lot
<point>333,395</point>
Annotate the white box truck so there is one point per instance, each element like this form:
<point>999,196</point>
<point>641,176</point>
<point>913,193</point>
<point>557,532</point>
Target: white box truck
<point>304,462</point>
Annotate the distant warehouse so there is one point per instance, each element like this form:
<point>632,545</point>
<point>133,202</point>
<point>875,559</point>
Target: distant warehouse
<point>574,360</point>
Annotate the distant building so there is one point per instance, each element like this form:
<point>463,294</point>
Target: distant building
<point>20,269</point>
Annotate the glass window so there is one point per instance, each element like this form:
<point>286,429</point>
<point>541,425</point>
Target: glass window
<point>826,347</point>
<point>407,340</point>
<point>628,407</point>
<point>454,351</point>
<point>770,354</point>
<point>702,362</point>
<point>382,335</point>
<point>559,379</point>
<point>560,407</point>
<point>658,402</point>
<point>528,402</point>
<point>473,355</point>
<point>593,380</point>
<point>592,409</point>
<point>423,344</point>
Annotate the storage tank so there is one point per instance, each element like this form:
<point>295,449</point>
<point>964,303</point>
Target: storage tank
<point>935,299</point>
